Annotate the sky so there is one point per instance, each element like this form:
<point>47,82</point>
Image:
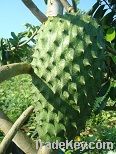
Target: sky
<point>14,15</point>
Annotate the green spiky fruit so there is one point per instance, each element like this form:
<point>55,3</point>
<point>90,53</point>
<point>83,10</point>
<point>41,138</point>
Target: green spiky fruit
<point>69,65</point>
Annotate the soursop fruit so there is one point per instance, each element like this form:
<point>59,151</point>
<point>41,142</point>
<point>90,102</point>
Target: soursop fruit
<point>69,66</point>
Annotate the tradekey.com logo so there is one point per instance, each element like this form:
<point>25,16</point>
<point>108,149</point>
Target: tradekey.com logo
<point>75,145</point>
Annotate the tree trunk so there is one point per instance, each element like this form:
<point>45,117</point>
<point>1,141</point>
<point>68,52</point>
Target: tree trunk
<point>54,7</point>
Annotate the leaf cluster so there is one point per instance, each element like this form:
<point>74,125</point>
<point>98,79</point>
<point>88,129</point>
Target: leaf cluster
<point>16,48</point>
<point>104,11</point>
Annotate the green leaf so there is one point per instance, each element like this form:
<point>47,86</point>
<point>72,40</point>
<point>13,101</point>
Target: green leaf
<point>13,42</point>
<point>110,35</point>
<point>102,98</point>
<point>94,7</point>
<point>104,89</point>
<point>100,12</point>
<point>112,2</point>
<point>113,93</point>
<point>76,1</point>
<point>68,152</point>
<point>114,59</point>
<point>46,1</point>
<point>103,12</point>
<point>0,57</point>
<point>108,18</point>
<point>14,36</point>
<point>0,52</point>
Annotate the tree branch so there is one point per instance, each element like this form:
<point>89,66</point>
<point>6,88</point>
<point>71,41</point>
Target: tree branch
<point>67,6</point>
<point>11,70</point>
<point>21,140</point>
<point>34,9</point>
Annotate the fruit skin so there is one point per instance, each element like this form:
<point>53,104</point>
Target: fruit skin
<point>69,66</point>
